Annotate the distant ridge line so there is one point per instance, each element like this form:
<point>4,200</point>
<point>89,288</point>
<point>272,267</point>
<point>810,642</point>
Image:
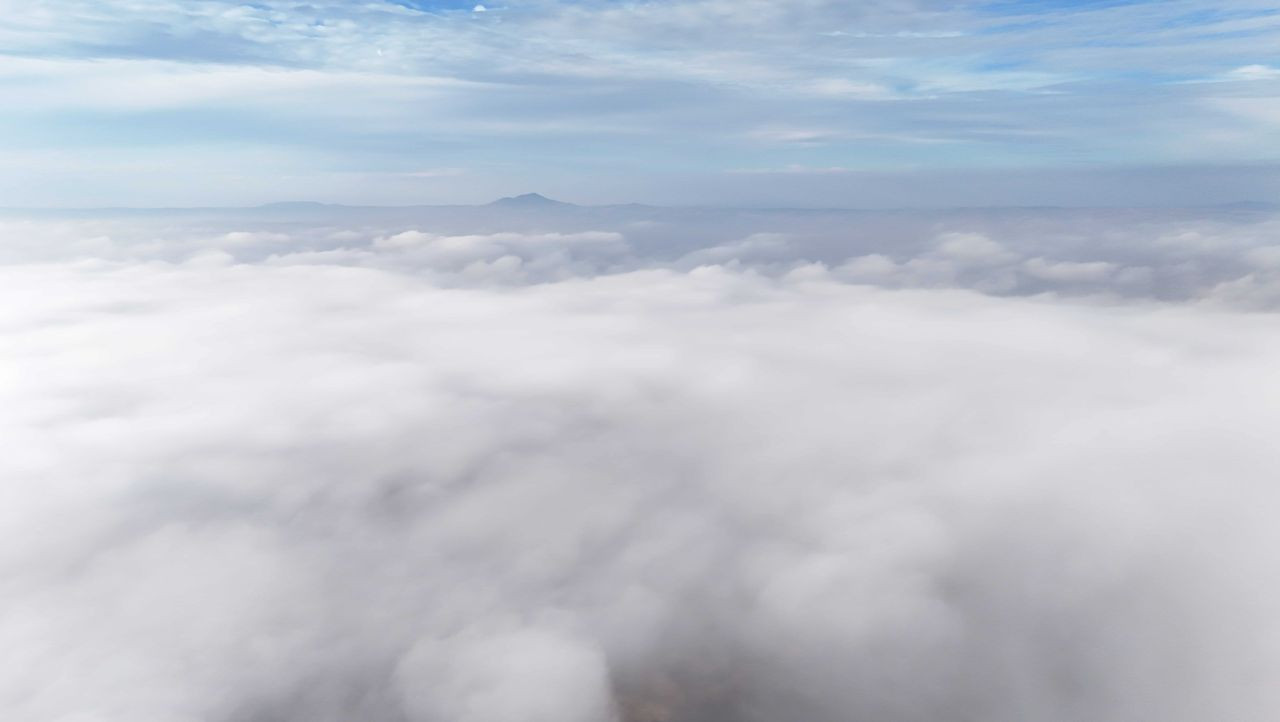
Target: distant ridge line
<point>529,200</point>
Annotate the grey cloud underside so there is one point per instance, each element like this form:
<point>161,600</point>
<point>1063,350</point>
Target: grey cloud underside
<point>308,464</point>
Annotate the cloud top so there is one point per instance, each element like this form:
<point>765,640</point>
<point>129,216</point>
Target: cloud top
<point>242,489</point>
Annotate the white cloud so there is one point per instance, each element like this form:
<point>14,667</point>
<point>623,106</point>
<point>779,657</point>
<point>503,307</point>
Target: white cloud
<point>846,88</point>
<point>971,248</point>
<point>1148,254</point>
<point>497,256</point>
<point>758,248</point>
<point>871,268</point>
<point>243,491</point>
<point>1255,72</point>
<point>792,135</point>
<point>117,85</point>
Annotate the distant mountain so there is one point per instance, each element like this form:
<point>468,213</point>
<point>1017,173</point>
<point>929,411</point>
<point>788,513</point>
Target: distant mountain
<point>296,206</point>
<point>529,200</point>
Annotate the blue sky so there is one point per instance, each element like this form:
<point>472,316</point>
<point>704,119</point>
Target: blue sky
<point>808,102</point>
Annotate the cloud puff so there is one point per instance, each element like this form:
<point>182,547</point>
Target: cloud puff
<point>1157,253</point>
<point>1218,255</point>
<point>241,490</point>
<point>479,256</point>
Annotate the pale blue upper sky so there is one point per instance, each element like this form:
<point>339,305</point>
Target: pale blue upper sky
<point>808,102</point>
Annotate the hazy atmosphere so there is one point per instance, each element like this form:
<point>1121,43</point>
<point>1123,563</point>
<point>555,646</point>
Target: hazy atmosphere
<point>605,361</point>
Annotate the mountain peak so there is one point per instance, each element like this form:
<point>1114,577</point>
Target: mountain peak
<point>528,200</point>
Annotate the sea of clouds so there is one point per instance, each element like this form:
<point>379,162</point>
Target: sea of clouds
<point>1011,468</point>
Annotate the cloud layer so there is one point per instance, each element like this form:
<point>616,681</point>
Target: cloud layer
<point>1218,255</point>
<point>393,479</point>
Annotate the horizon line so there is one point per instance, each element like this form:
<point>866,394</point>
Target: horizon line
<point>540,202</point>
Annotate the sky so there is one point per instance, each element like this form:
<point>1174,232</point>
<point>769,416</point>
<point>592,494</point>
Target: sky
<point>733,102</point>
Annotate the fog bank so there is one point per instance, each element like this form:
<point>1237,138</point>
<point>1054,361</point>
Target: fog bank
<point>413,481</point>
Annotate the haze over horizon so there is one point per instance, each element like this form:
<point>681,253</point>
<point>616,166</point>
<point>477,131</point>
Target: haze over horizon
<point>534,200</point>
